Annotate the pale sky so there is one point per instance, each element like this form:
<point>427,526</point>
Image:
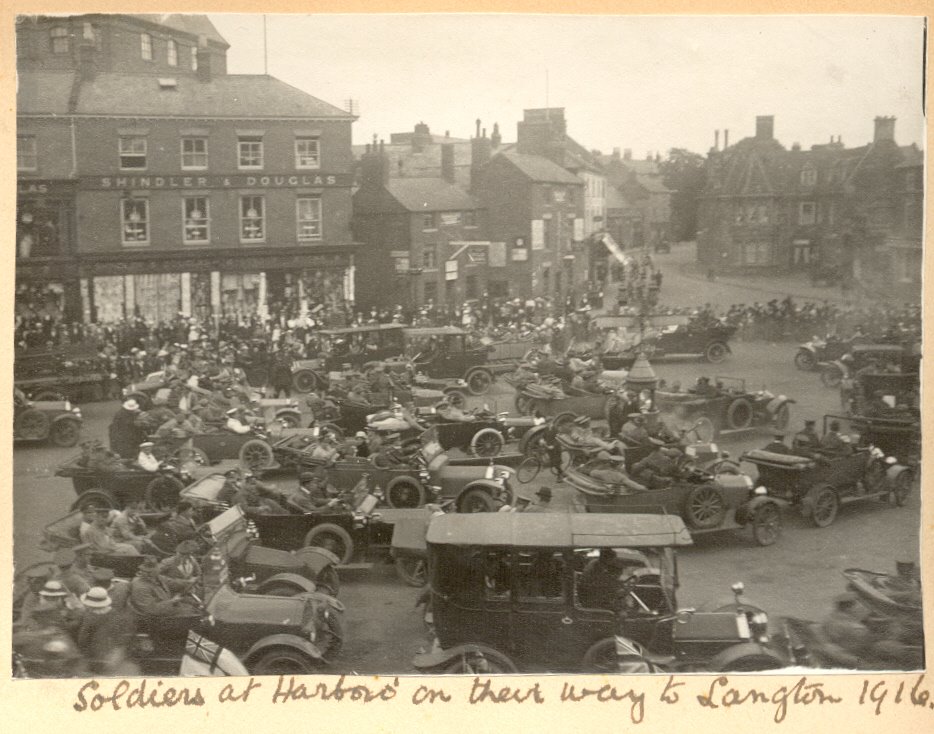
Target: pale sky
<point>649,83</point>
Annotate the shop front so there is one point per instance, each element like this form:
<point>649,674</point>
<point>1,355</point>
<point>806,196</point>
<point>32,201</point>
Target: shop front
<point>114,288</point>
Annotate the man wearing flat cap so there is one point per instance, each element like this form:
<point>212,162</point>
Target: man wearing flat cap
<point>777,445</point>
<point>312,493</point>
<point>806,439</point>
<point>149,596</point>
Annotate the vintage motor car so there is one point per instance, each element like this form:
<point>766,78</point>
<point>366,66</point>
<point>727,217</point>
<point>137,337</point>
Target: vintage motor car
<point>252,449</point>
<point>674,335</point>
<point>351,534</point>
<point>443,351</point>
<point>38,420</point>
<point>729,406</point>
<point>551,401</point>
<point>126,481</point>
<point>345,348</point>
<point>893,422</point>
<point>906,359</point>
<point>297,634</point>
<point>817,482</point>
<point>812,353</point>
<point>66,374</point>
<point>706,502</point>
<point>514,592</point>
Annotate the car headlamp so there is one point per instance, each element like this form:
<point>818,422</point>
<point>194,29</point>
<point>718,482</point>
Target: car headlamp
<point>760,491</point>
<point>890,460</point>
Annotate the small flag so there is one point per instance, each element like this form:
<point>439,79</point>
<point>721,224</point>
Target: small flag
<point>205,658</point>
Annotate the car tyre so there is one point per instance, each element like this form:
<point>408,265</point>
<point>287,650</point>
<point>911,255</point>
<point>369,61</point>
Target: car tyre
<point>528,469</point>
<point>32,424</point>
<point>333,538</point>
<point>97,497</point>
<point>304,381</point>
<point>472,662</point>
<point>600,658</point>
<point>716,352</point>
<point>805,361</point>
<point>739,414</point>
<point>256,454</point>
<point>704,507</point>
<point>456,398</point>
<point>486,442</point>
<point>65,433</point>
<point>825,505</point>
<point>831,377</point>
<point>162,493</point>
<point>479,381</point>
<point>289,419</point>
<point>902,487</point>
<point>405,492</point>
<point>766,525</point>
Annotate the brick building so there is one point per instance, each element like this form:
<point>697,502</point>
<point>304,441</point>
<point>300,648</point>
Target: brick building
<point>150,181</point>
<point>638,208</point>
<point>423,236</point>
<point>831,211</point>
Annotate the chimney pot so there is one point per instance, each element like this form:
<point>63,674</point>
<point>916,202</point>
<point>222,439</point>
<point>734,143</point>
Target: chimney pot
<point>726,139</point>
<point>627,154</point>
<point>616,153</point>
<point>478,127</point>
<point>885,129</point>
<point>765,127</point>
<point>716,140</point>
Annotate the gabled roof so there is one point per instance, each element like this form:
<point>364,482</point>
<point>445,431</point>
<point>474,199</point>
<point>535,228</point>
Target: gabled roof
<point>429,195</point>
<point>196,25</point>
<point>226,95</point>
<point>539,169</point>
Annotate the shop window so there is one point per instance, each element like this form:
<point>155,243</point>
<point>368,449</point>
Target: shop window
<point>308,216</point>
<point>558,195</point>
<point>132,151</point>
<point>145,41</point>
<point>172,53</point>
<point>27,158</point>
<point>807,212</point>
<point>252,219</point>
<point>250,152</point>
<point>39,230</point>
<point>307,153</point>
<point>135,215</point>
<point>196,220</point>
<point>60,40</point>
<point>194,153</point>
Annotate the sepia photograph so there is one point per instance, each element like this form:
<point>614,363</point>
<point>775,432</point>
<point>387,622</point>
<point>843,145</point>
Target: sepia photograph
<point>435,344</point>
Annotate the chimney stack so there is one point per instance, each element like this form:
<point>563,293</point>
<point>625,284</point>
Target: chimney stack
<point>421,138</point>
<point>716,140</point>
<point>627,154</point>
<point>885,129</point>
<point>765,127</point>
<point>616,154</point>
<point>726,139</point>
<point>496,139</point>
<point>86,60</point>
<point>204,64</point>
<point>481,151</point>
<point>447,162</point>
<point>374,166</point>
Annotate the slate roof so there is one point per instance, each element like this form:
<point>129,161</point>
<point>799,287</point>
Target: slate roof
<point>230,96</point>
<point>539,169</point>
<point>196,25</point>
<point>653,184</point>
<point>429,195</point>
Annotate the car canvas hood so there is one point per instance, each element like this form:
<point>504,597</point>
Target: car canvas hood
<point>231,608</point>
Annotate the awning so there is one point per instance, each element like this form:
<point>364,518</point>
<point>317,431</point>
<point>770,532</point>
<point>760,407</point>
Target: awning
<point>614,249</point>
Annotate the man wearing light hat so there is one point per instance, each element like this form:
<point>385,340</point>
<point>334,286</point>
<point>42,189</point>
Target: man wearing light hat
<point>125,434</point>
<point>181,572</point>
<point>103,634</point>
<point>236,422</point>
<point>145,458</point>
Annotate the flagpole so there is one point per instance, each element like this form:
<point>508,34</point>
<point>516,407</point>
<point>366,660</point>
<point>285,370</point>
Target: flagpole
<point>265,53</point>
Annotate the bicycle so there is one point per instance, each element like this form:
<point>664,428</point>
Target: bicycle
<point>540,456</point>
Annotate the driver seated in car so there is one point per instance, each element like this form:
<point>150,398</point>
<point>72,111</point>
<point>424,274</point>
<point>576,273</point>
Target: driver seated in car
<point>181,573</point>
<point>581,433</point>
<point>599,587</point>
<point>658,468</point>
<point>237,421</point>
<point>258,497</point>
<point>313,493</point>
<point>615,474</point>
<point>806,440</point>
<point>704,388</point>
<point>833,442</point>
<point>388,453</point>
<point>145,459</point>
<point>150,597</point>
<point>877,407</point>
<point>451,412</point>
<point>325,449</point>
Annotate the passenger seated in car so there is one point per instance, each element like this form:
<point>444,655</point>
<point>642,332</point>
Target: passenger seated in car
<point>658,469</point>
<point>452,413</point>
<point>149,597</point>
<point>579,432</point>
<point>833,443</point>
<point>180,573</point>
<point>806,440</point>
<point>615,474</point>
<point>236,421</point>
<point>634,431</point>
<point>388,454</point>
<point>99,536</point>
<point>258,497</point>
<point>703,388</point>
<point>598,586</point>
<point>313,493</point>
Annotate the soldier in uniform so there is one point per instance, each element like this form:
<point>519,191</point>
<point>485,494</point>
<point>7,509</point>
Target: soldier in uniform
<point>806,439</point>
<point>777,445</point>
<point>181,572</point>
<point>833,442</point>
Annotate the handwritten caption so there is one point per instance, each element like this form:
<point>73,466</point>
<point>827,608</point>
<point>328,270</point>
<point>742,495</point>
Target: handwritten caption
<point>877,696</point>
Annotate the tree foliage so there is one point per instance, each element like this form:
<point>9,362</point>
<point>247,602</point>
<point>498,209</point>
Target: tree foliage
<point>684,173</point>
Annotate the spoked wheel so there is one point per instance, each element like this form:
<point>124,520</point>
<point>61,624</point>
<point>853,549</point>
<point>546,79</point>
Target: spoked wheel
<point>804,361</point>
<point>456,398</point>
<point>477,662</point>
<point>289,420</point>
<point>304,381</point>
<point>405,493</point>
<point>716,352</point>
<point>65,433</point>
<point>704,507</point>
<point>826,504</point>
<point>333,538</point>
<point>479,381</point>
<point>529,469</point>
<point>413,571</point>
<point>831,377</point>
<point>256,454</point>
<point>766,525</point>
<point>487,442</point>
